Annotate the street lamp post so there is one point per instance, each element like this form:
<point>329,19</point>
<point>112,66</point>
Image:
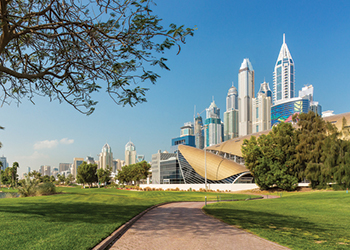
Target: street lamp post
<point>205,158</point>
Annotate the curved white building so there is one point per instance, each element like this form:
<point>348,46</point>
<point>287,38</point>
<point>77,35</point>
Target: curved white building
<point>106,157</point>
<point>130,153</point>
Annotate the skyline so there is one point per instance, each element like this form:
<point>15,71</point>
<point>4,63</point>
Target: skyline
<point>48,133</point>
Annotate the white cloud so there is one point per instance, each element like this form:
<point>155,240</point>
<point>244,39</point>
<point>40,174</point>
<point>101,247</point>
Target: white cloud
<point>45,144</point>
<point>66,141</point>
<point>52,143</point>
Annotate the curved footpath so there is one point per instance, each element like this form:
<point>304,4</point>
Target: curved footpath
<point>184,225</point>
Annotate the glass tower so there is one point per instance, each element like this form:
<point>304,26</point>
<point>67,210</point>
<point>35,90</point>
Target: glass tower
<point>283,75</point>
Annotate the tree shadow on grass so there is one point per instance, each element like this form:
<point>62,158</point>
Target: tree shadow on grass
<point>257,220</point>
<point>80,212</point>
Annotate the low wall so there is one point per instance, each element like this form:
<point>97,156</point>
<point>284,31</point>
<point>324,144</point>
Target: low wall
<point>221,187</point>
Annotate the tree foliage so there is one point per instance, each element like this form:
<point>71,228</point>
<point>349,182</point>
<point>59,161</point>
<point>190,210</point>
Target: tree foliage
<point>315,151</point>
<point>87,174</point>
<point>270,158</point>
<point>104,175</point>
<point>133,172</point>
<point>67,50</point>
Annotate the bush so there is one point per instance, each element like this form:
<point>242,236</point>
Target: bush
<point>46,188</point>
<point>28,188</point>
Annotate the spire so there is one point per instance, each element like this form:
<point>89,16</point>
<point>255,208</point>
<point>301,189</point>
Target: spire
<point>284,38</point>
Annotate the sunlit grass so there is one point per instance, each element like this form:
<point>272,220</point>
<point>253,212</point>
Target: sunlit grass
<point>312,220</point>
<point>78,218</point>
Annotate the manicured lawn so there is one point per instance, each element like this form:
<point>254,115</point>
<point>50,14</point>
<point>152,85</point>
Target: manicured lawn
<point>78,218</point>
<point>312,220</point>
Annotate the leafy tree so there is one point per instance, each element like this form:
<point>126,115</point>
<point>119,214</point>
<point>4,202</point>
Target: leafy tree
<point>45,178</point>
<point>52,178</point>
<point>104,175</point>
<point>69,179</point>
<point>87,174</point>
<point>61,178</point>
<point>13,174</point>
<point>133,172</point>
<point>65,49</point>
<point>270,158</point>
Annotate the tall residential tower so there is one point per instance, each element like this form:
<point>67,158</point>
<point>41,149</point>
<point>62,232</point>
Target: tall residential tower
<point>231,114</point>
<point>283,75</point>
<point>213,126</point>
<point>245,96</point>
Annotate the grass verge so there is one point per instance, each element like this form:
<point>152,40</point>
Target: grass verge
<point>79,218</point>
<point>311,220</point>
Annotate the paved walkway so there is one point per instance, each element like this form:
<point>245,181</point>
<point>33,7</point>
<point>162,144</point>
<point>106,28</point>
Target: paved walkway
<point>184,225</point>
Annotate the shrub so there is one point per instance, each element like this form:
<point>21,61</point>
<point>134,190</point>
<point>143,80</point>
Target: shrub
<point>28,188</point>
<point>46,188</point>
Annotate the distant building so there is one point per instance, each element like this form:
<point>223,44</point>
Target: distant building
<point>186,137</point>
<point>106,157</point>
<point>261,109</point>
<point>283,76</point>
<point>64,167</point>
<point>28,170</point>
<point>46,170</point>
<point>246,92</point>
<point>283,111</point>
<point>231,117</point>
<point>140,158</point>
<point>76,163</point>
<point>198,132</point>
<point>130,153</point>
<point>213,131</point>
<point>90,160</point>
<point>327,113</point>
<point>165,168</point>
<point>4,162</point>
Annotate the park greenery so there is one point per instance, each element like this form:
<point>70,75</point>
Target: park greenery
<point>299,220</point>
<point>314,150</point>
<point>133,173</point>
<point>9,176</point>
<point>68,50</point>
<point>79,218</point>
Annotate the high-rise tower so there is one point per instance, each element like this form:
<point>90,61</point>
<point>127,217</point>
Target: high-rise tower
<point>231,114</point>
<point>106,157</point>
<point>262,109</point>
<point>283,75</point>
<point>213,126</point>
<point>245,96</point>
<point>130,153</point>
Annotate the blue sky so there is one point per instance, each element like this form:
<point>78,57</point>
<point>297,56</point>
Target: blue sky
<point>317,35</point>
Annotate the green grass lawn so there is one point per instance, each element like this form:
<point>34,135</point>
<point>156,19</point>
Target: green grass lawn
<point>78,218</point>
<point>312,220</point>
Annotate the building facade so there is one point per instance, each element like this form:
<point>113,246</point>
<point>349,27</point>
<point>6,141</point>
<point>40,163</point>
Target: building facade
<point>261,109</point>
<point>213,131</point>
<point>165,168</point>
<point>198,132</point>
<point>4,164</point>
<point>231,116</point>
<point>130,153</point>
<point>245,96</point>
<point>64,167</point>
<point>187,137</point>
<point>283,111</point>
<point>283,75</point>
<point>106,157</point>
<point>76,163</point>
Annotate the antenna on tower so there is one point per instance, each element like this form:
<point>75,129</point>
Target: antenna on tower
<point>213,98</point>
<point>232,83</point>
<point>284,38</point>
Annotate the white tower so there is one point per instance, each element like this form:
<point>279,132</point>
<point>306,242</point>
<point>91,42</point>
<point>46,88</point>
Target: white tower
<point>213,126</point>
<point>283,75</point>
<point>106,157</point>
<point>130,153</point>
<point>262,109</point>
<point>231,115</point>
<point>245,96</point>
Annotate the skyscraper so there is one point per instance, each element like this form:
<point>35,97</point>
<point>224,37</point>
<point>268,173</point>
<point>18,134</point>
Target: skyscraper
<point>245,96</point>
<point>106,157</point>
<point>283,75</point>
<point>213,126</point>
<point>261,109</point>
<point>130,153</point>
<point>231,115</point>
<point>4,163</point>
<point>198,132</point>
<point>186,137</point>
<point>76,163</point>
